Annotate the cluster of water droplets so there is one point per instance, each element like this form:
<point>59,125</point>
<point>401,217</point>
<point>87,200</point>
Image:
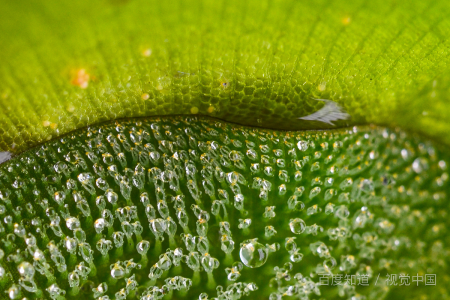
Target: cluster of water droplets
<point>162,207</point>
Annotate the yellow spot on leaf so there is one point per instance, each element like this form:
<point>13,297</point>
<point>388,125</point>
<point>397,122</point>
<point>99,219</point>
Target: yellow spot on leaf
<point>146,52</point>
<point>46,123</point>
<point>81,78</point>
<point>346,20</point>
<point>322,86</point>
<point>194,110</point>
<point>145,96</point>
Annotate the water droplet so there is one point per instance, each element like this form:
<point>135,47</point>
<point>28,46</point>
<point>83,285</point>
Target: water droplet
<point>117,271</point>
<point>314,192</point>
<point>13,292</point>
<point>100,224</point>
<point>297,225</point>
<point>253,254</point>
<point>111,196</point>
<point>319,248</point>
<point>209,263</point>
<point>270,231</point>
<point>302,145</point>
<point>296,256</point>
<point>329,208</point>
<point>100,289</point>
<point>269,212</point>
<point>104,246</point>
<point>26,270</point>
<point>244,223</point>
<point>142,247</point>
<point>419,165</point>
<point>73,223</point>
<point>55,291</point>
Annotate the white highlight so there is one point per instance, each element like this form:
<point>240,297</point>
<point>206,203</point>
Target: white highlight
<point>4,156</point>
<point>329,113</point>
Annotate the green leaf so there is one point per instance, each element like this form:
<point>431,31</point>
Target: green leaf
<point>202,206</point>
<point>69,64</point>
<point>380,195</point>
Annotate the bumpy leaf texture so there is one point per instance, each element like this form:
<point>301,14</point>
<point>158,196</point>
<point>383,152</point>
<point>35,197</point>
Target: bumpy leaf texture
<point>182,208</point>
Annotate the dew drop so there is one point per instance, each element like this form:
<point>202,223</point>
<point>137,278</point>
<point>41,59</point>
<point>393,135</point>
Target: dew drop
<point>117,271</point>
<point>419,165</point>
<point>111,196</point>
<point>72,223</point>
<point>26,270</point>
<point>302,145</point>
<point>13,292</point>
<point>253,254</point>
<point>297,225</point>
<point>244,223</point>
